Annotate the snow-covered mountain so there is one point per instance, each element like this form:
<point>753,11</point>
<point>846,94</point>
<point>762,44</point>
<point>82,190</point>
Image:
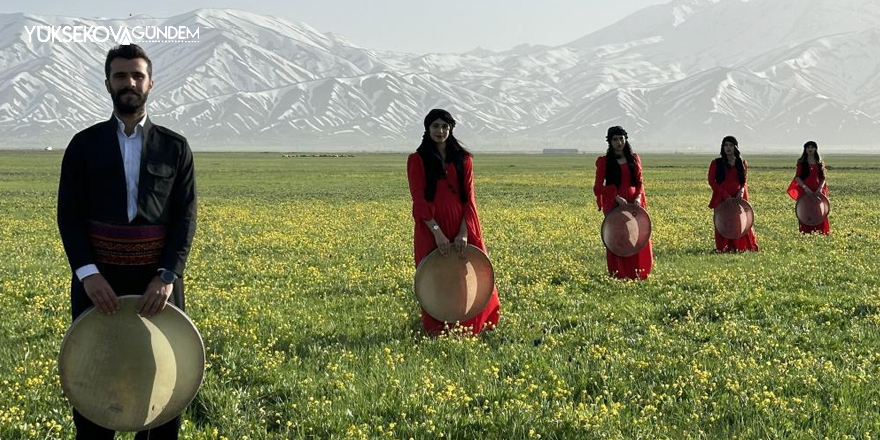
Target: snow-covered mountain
<point>678,75</point>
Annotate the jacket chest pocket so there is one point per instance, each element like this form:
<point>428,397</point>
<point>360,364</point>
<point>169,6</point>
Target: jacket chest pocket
<point>161,177</point>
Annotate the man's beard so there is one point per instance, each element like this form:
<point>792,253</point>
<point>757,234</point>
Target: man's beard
<point>128,107</point>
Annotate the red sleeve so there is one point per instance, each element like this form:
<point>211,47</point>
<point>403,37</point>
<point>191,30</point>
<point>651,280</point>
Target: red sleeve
<point>639,178</point>
<point>470,211</point>
<point>641,181</point>
<point>599,184</point>
<point>415,173</point>
<point>794,190</point>
<point>824,182</point>
<point>745,186</point>
<point>716,188</point>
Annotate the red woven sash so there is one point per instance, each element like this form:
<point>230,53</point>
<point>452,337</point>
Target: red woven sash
<point>127,245</point>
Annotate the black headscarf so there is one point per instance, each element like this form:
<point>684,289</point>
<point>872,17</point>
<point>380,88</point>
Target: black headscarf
<point>433,162</point>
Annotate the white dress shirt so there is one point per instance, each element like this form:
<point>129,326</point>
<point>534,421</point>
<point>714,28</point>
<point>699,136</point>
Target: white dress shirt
<point>130,147</point>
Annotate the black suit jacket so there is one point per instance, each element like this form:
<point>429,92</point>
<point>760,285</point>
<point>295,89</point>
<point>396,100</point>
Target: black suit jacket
<point>92,187</point>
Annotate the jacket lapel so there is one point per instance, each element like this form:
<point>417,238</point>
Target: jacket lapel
<point>114,155</point>
<point>148,148</point>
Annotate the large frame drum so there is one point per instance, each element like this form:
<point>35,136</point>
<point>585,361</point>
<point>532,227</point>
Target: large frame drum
<point>454,288</point>
<point>812,210</point>
<point>626,230</point>
<point>734,218</point>
<point>129,373</point>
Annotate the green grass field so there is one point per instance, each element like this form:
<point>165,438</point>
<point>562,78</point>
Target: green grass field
<point>300,282</point>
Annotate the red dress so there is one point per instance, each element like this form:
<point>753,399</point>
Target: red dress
<point>637,266</point>
<point>725,190</point>
<point>447,210</point>
<point>795,191</point>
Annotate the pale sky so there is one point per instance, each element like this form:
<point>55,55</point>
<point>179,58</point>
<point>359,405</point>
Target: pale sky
<point>400,25</point>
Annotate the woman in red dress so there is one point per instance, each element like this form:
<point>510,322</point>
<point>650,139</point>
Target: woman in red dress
<point>619,182</point>
<point>727,177</point>
<point>809,179</point>
<point>441,182</point>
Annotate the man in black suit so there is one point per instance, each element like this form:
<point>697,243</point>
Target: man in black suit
<point>127,209</point>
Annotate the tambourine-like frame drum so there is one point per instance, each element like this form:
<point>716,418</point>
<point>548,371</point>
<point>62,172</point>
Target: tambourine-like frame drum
<point>734,218</point>
<point>812,210</point>
<point>454,288</point>
<point>626,230</point>
<point>129,373</point>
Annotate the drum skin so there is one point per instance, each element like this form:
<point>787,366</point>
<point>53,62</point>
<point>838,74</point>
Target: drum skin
<point>812,210</point>
<point>129,373</point>
<point>734,218</point>
<point>454,288</point>
<point>626,230</point>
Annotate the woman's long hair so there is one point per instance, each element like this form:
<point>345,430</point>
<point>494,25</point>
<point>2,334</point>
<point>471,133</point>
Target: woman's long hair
<point>612,168</point>
<point>805,163</point>
<point>433,162</point>
<point>721,162</point>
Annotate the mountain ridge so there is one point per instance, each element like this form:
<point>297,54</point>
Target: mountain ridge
<point>258,82</point>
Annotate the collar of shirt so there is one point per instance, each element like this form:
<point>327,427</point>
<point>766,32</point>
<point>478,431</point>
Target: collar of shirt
<point>138,128</point>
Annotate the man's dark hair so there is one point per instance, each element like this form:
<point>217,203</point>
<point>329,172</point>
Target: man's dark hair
<point>128,52</point>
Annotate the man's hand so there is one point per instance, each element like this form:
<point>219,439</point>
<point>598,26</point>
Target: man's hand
<point>154,297</point>
<point>101,294</point>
